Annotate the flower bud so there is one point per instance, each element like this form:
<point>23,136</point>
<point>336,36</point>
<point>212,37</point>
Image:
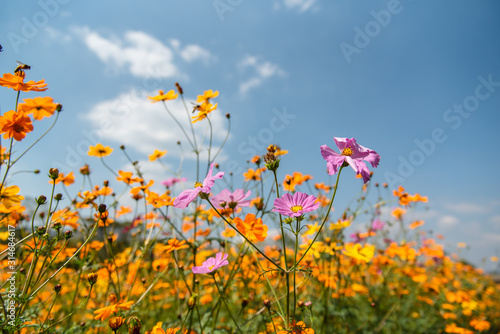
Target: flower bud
<point>41,200</point>
<point>53,173</point>
<point>41,230</point>
<point>92,278</point>
<point>134,325</point>
<point>115,323</point>
<point>308,304</point>
<point>85,170</point>
<point>267,303</point>
<point>57,288</point>
<point>102,208</point>
<point>68,234</point>
<point>228,116</point>
<point>58,197</point>
<point>57,226</point>
<point>58,107</point>
<point>179,88</point>
<point>36,171</point>
<point>192,301</point>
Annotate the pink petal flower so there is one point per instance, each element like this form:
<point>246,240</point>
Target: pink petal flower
<point>296,205</point>
<point>233,200</point>
<point>351,153</point>
<point>188,195</point>
<point>211,264</point>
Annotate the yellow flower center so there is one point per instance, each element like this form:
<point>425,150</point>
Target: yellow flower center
<point>296,208</point>
<point>210,268</point>
<point>347,151</point>
<point>198,185</point>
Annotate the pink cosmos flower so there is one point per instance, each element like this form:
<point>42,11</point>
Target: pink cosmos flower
<point>173,180</point>
<point>296,205</point>
<point>188,195</point>
<point>211,264</point>
<point>227,199</point>
<point>377,224</point>
<point>351,153</point>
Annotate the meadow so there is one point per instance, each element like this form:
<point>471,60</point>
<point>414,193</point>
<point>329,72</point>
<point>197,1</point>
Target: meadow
<point>269,255</point>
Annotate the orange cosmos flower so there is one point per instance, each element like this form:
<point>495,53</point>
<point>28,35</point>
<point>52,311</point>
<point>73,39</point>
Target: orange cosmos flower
<point>159,201</point>
<point>40,107</point>
<point>156,155</point>
<point>105,312</point>
<point>65,179</point>
<point>251,227</point>
<point>127,177</point>
<point>298,328</point>
<point>207,95</point>
<point>253,174</point>
<point>16,82</point>
<point>276,150</point>
<point>15,125</point>
<point>171,95</point>
<point>143,187</point>
<point>416,224</point>
<point>203,110</point>
<point>359,252</point>
<point>174,244</point>
<point>293,180</point>
<point>9,196</point>
<point>99,151</point>
<point>398,213</point>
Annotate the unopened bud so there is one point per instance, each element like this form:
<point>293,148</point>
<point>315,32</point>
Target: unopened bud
<point>134,325</point>
<point>267,303</point>
<point>57,288</point>
<point>53,173</point>
<point>192,301</point>
<point>41,230</point>
<point>92,278</point>
<point>58,107</point>
<point>41,200</point>
<point>102,208</point>
<point>179,88</point>
<point>58,197</point>
<point>68,234</point>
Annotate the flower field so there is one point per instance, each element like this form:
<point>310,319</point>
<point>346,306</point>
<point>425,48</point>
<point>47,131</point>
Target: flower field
<point>131,254</point>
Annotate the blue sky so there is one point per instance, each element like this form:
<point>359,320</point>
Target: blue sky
<point>417,81</point>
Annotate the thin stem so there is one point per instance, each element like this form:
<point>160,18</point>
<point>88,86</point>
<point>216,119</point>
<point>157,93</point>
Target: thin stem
<point>180,126</point>
<point>225,139</point>
<point>210,143</point>
<point>281,221</point>
<point>225,303</point>
<point>324,220</point>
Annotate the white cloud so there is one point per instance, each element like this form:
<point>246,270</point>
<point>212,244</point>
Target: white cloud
<point>141,54</point>
<point>193,52</point>
<point>495,219</point>
<point>447,221</point>
<point>130,119</point>
<point>466,207</point>
<point>300,5</point>
<point>261,70</point>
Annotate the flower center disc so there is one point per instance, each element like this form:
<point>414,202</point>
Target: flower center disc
<point>296,208</point>
<point>347,151</point>
<point>198,184</point>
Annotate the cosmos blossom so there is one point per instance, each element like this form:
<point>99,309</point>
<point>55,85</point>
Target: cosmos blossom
<point>173,180</point>
<point>188,195</point>
<point>232,200</point>
<point>351,153</point>
<point>296,205</point>
<point>211,264</point>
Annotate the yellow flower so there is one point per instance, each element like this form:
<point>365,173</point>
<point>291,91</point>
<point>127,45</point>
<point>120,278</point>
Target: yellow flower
<point>171,95</point>
<point>340,224</point>
<point>359,252</point>
<point>203,110</point>
<point>9,196</point>
<point>99,151</point>
<point>156,155</point>
<point>207,95</point>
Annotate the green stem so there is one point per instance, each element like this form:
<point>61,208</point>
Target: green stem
<point>225,303</point>
<point>324,220</point>
<point>281,221</point>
